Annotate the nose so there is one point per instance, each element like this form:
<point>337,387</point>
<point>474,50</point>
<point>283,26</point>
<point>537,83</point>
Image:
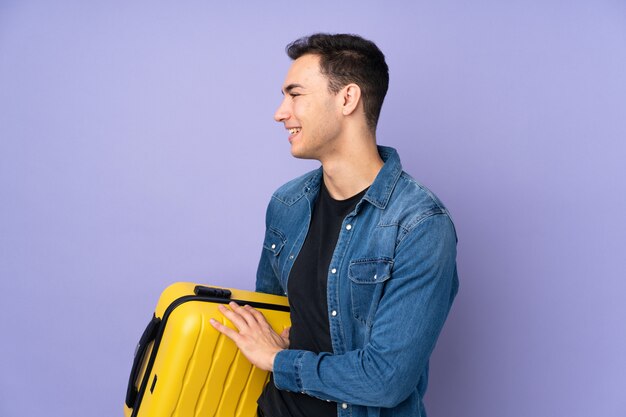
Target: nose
<point>282,112</point>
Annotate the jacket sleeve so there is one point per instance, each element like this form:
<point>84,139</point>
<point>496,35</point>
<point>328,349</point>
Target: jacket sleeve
<point>409,318</point>
<point>266,279</point>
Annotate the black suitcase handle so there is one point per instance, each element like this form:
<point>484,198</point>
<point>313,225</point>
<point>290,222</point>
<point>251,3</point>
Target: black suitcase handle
<point>202,291</point>
<point>148,336</point>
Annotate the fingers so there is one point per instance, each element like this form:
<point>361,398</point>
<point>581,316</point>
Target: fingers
<point>253,335</point>
<point>244,317</point>
<point>258,316</point>
<point>234,314</point>
<point>227,331</point>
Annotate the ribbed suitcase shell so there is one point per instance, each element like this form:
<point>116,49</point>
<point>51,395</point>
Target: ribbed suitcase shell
<point>196,371</point>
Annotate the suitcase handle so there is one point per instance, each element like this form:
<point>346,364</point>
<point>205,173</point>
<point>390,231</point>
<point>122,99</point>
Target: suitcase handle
<point>213,292</point>
<point>148,336</point>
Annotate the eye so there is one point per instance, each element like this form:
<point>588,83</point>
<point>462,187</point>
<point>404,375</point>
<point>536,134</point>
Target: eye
<point>294,95</point>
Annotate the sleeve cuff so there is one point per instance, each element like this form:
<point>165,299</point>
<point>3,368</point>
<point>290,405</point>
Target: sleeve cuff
<point>287,370</point>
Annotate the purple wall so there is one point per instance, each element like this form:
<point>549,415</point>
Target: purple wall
<point>137,148</point>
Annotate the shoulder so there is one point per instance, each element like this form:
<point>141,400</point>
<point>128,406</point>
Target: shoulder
<point>411,203</point>
<point>293,190</point>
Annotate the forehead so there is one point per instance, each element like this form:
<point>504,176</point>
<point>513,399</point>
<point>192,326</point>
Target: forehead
<point>305,72</point>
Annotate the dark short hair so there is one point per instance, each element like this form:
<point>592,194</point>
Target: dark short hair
<point>346,59</point>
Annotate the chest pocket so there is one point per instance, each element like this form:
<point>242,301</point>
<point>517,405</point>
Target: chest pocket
<point>273,243</point>
<point>367,278</point>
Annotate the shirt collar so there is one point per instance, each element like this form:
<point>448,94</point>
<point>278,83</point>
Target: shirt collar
<point>378,193</point>
<point>384,183</point>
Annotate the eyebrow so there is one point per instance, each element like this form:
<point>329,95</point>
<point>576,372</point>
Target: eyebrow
<point>290,87</point>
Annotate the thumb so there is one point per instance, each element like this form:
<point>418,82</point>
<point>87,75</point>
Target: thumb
<point>285,332</point>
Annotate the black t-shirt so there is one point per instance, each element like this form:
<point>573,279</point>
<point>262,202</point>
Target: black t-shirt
<point>310,328</point>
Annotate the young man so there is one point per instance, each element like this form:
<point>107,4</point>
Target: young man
<point>365,254</point>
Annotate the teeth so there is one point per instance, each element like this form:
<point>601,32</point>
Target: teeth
<point>294,130</point>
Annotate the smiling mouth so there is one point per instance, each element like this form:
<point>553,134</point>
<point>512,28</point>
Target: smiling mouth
<point>294,130</point>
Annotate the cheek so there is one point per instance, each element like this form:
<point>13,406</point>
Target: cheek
<point>301,109</point>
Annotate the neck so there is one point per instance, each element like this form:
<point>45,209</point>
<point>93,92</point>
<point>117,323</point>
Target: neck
<point>352,168</point>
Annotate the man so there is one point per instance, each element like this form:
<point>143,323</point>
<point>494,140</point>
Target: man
<point>365,254</point>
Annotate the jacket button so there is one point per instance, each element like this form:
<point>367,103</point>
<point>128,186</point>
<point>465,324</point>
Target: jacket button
<point>348,227</point>
<point>333,313</point>
<point>344,406</point>
<point>273,245</point>
<point>334,270</point>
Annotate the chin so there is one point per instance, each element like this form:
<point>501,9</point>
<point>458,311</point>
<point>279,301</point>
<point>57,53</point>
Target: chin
<point>298,153</point>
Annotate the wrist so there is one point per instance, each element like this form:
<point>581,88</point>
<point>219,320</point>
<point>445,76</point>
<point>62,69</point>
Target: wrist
<point>273,360</point>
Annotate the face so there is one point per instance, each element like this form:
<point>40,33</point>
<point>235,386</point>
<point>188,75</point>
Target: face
<point>310,113</point>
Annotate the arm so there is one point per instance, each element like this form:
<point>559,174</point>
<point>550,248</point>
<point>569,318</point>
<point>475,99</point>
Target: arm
<point>408,321</point>
<point>266,278</point>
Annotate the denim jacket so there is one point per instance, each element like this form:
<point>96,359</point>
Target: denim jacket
<point>391,282</point>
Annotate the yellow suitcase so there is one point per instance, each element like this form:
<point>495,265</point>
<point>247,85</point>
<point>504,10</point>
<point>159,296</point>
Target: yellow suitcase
<point>183,367</point>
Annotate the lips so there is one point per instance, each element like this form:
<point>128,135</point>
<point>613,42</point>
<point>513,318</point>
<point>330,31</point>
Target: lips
<point>293,132</point>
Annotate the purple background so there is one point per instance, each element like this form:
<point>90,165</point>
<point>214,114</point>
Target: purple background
<point>137,148</point>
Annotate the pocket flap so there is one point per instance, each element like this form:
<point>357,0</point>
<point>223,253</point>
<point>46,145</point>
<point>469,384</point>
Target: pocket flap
<point>370,271</point>
<point>274,241</point>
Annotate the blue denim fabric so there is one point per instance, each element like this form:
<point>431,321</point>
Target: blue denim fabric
<point>391,283</point>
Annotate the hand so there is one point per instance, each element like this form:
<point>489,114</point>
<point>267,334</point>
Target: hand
<point>255,338</point>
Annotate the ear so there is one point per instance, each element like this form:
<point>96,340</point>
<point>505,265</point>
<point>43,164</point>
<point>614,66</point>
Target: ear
<point>351,96</point>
